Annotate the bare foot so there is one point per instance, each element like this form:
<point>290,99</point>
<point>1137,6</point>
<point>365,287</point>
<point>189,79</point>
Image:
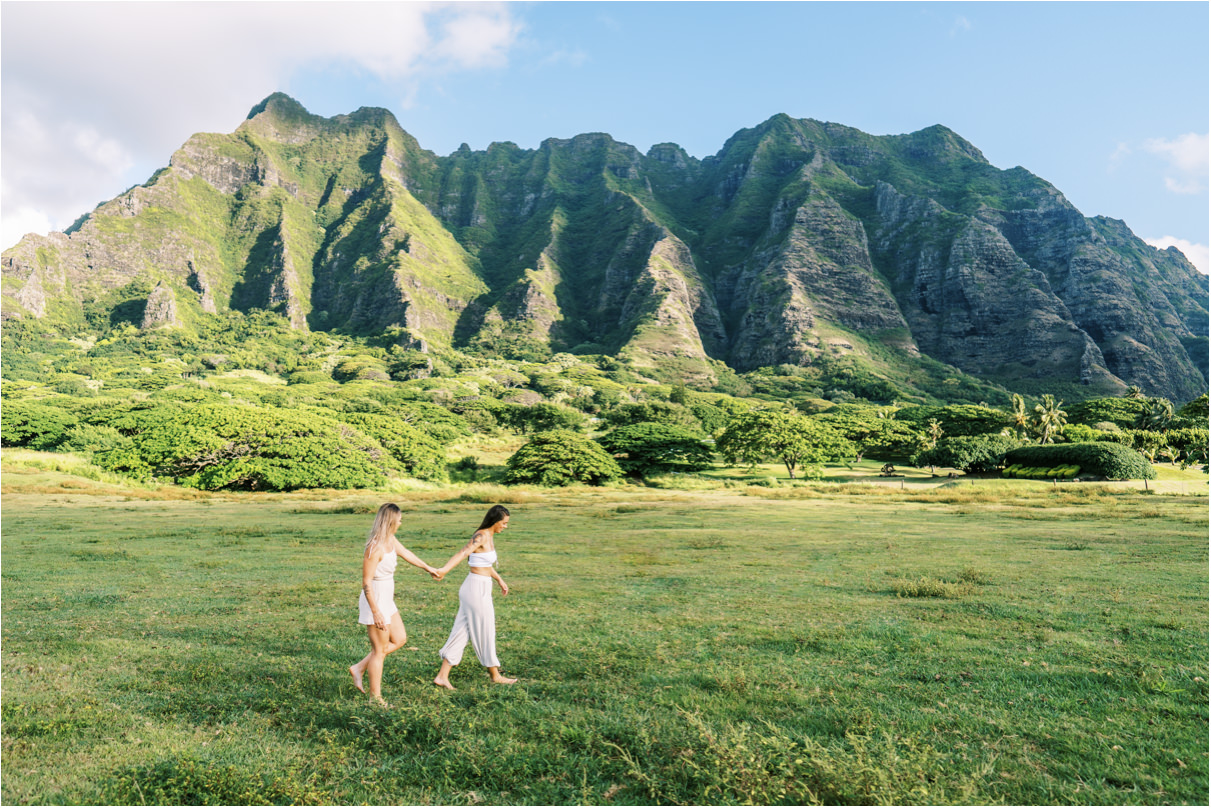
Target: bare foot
<point>443,683</point>
<point>502,680</point>
<point>357,677</point>
<point>379,701</point>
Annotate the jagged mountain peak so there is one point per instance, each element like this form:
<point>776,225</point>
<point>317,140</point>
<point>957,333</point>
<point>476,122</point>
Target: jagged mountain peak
<point>937,143</point>
<point>799,242</point>
<point>279,105</point>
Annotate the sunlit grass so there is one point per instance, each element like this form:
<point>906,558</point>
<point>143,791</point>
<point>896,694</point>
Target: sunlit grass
<point>995,642</point>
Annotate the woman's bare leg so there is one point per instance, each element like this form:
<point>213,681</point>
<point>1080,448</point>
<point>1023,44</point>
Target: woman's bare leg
<point>396,633</point>
<point>494,672</point>
<point>379,639</point>
<point>394,637</point>
<point>443,676</point>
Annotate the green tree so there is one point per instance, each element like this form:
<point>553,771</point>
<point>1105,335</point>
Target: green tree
<point>1150,443</point>
<point>34,425</point>
<point>541,417</point>
<point>1122,412</point>
<point>793,439</point>
<point>1133,392</point>
<point>873,430</point>
<point>561,457</point>
<point>645,449</point>
<point>654,412</point>
<point>933,432</point>
<point>214,446</point>
<point>1048,418</point>
<point>420,455</point>
<point>1189,446</point>
<point>1195,410</point>
<point>1156,416</point>
<point>959,419</point>
<point>971,453</point>
<point>1021,419</point>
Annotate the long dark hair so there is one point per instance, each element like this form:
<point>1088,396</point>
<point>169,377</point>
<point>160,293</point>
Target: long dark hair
<point>494,515</point>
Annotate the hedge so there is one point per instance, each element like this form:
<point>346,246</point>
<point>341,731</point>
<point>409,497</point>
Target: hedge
<point>1109,460</point>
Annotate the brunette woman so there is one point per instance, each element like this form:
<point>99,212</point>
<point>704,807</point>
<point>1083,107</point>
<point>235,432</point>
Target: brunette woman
<point>476,618</point>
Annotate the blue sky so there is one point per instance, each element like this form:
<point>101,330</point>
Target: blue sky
<point>1106,100</point>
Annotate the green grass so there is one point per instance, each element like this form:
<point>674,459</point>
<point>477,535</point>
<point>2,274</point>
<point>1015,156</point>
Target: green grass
<point>995,642</point>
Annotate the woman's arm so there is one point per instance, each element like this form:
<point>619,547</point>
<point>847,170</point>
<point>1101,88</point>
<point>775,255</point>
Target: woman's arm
<point>411,557</point>
<point>369,563</point>
<point>461,554</point>
<point>504,587</point>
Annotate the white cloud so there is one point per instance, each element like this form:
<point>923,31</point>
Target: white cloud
<point>961,25</point>
<point>1197,254</point>
<point>20,222</point>
<point>1121,153</point>
<point>1186,156</point>
<point>478,39</point>
<point>571,58</point>
<point>92,91</point>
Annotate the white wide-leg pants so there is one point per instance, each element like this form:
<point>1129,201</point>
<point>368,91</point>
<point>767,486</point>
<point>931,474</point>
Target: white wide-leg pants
<point>476,621</point>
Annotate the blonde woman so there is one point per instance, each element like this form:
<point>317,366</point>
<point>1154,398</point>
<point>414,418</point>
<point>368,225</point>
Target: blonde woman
<point>376,606</point>
<point>476,618</point>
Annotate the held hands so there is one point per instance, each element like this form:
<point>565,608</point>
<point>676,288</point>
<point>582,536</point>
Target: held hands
<point>437,574</point>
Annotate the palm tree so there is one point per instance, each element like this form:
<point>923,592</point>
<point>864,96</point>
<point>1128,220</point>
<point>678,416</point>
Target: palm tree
<point>1156,416</point>
<point>1021,421</point>
<point>933,431</point>
<point>1133,392</point>
<point>1048,418</point>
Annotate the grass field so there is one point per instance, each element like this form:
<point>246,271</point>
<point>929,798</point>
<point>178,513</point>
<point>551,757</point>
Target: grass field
<point>972,642</point>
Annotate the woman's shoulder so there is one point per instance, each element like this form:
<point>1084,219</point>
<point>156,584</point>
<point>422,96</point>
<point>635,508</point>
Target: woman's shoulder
<point>481,538</point>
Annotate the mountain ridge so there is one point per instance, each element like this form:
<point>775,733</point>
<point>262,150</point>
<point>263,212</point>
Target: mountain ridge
<point>798,240</point>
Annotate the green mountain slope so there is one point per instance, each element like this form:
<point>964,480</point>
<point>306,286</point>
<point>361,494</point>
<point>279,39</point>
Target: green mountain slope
<point>800,243</point>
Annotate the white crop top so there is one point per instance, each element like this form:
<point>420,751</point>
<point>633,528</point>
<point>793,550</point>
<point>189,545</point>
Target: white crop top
<point>482,559</point>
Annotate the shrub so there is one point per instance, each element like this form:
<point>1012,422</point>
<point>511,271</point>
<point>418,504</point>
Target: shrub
<point>1120,411</point>
<point>1109,460</point>
<point>958,419</point>
<point>653,412</point>
<point>648,449</point>
<point>215,446</point>
<point>420,455</point>
<point>308,377</point>
<point>1195,410</point>
<point>468,463</point>
<point>34,425</point>
<point>1080,433</point>
<point>561,457</point>
<point>538,417</point>
<point>1189,445</point>
<point>438,422</point>
<point>89,438</point>
<point>360,367</point>
<point>1147,442</point>
<point>971,454</point>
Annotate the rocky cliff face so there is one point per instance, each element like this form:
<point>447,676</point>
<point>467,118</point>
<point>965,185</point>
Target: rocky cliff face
<point>798,240</point>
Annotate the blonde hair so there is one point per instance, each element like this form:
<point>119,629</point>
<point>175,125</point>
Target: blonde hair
<point>385,523</point>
